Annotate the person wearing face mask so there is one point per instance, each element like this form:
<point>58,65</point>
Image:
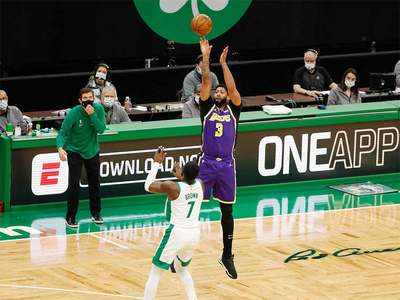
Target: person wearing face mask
<point>347,90</point>
<point>10,114</point>
<point>77,142</point>
<point>115,113</point>
<point>99,79</point>
<point>191,108</point>
<point>193,79</point>
<point>311,79</point>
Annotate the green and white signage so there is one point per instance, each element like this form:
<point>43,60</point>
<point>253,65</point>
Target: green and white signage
<point>171,18</point>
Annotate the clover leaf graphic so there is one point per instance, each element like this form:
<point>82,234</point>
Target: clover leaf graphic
<point>172,6</point>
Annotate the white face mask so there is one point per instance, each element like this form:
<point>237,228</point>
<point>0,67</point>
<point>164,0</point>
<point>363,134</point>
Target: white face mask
<point>309,66</point>
<point>101,75</point>
<point>108,101</point>
<point>349,83</point>
<point>3,104</point>
<point>198,69</point>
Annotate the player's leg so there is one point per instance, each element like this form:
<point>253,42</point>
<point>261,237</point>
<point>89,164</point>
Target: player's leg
<point>181,268</point>
<point>150,290</point>
<point>227,223</point>
<point>225,192</point>
<point>183,259</point>
<point>164,256</point>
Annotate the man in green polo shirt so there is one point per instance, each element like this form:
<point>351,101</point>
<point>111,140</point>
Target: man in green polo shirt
<point>77,142</point>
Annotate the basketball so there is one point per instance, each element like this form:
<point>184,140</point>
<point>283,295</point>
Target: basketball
<point>202,24</point>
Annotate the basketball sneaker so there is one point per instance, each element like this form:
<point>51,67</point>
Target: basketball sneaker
<point>97,219</point>
<point>71,222</point>
<point>229,266</point>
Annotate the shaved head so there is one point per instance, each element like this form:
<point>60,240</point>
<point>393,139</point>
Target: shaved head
<point>3,95</point>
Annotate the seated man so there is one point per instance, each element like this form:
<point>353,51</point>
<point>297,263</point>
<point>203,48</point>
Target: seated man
<point>10,114</point>
<point>311,79</point>
<point>115,113</point>
<point>397,72</point>
<point>193,79</point>
<point>99,79</point>
<point>191,108</point>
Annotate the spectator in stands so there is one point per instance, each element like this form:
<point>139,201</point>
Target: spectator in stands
<point>193,79</point>
<point>99,79</point>
<point>191,108</point>
<point>311,78</point>
<point>115,113</point>
<point>397,72</point>
<point>347,90</point>
<point>10,114</point>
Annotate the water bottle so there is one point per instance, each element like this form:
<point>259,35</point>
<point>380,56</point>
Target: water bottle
<point>147,63</point>
<point>38,133</point>
<point>17,131</point>
<point>9,129</point>
<point>127,104</point>
<point>373,47</point>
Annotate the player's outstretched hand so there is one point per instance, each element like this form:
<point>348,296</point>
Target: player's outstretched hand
<point>224,54</point>
<point>160,154</point>
<point>205,47</point>
<point>177,171</point>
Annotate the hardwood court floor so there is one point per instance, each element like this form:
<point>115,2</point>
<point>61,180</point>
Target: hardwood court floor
<point>113,262</point>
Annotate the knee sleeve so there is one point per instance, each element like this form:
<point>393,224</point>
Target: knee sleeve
<point>226,211</point>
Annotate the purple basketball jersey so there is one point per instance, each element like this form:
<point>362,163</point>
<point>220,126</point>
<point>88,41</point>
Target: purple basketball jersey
<point>219,133</point>
<point>217,164</point>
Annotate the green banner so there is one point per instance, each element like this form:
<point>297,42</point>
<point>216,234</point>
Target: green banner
<point>171,19</point>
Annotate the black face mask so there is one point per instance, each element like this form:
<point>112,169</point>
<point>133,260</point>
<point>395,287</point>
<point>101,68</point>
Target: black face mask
<point>220,103</point>
<point>86,103</point>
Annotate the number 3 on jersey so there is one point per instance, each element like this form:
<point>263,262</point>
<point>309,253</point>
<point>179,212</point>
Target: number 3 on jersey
<point>219,129</point>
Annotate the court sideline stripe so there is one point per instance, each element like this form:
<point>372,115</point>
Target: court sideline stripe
<point>238,219</point>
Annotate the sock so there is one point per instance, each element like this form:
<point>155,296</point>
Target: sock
<point>227,228</point>
<point>186,280</point>
<point>152,283</point>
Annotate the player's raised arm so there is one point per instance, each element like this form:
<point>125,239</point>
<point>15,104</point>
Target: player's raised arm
<point>233,93</point>
<point>205,90</point>
<point>160,187</point>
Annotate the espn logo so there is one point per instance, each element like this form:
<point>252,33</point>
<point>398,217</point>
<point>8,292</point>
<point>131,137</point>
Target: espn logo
<point>49,175</point>
<point>50,172</point>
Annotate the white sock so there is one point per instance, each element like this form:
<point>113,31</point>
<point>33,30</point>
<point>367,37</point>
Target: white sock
<point>152,283</point>
<point>186,279</point>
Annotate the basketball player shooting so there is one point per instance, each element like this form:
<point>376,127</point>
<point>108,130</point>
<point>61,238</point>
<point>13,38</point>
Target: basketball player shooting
<point>219,117</point>
<point>182,208</point>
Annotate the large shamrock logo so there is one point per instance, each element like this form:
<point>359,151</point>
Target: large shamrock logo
<point>171,18</point>
<point>172,6</point>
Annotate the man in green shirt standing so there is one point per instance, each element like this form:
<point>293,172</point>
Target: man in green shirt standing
<point>77,142</point>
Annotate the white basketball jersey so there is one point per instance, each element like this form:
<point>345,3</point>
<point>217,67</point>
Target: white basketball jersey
<point>184,211</point>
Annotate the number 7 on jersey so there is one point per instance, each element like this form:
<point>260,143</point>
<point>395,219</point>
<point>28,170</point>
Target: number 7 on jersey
<point>191,204</point>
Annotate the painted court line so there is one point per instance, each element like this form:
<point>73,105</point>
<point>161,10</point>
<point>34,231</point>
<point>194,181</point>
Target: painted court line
<point>109,241</point>
<point>66,291</point>
<point>239,219</point>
